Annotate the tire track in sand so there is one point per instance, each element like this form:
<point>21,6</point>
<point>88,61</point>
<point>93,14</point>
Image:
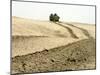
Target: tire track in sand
<point>73,35</point>
<point>82,29</point>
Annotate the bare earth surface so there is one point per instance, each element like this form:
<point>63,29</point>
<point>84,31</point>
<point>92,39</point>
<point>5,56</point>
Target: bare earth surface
<point>43,46</point>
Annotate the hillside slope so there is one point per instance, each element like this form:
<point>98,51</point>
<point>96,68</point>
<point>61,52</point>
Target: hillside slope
<point>29,36</point>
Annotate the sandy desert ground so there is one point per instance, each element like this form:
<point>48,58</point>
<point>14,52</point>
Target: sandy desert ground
<point>43,46</point>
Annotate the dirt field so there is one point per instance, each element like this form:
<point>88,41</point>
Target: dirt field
<point>76,56</point>
<point>43,46</point>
